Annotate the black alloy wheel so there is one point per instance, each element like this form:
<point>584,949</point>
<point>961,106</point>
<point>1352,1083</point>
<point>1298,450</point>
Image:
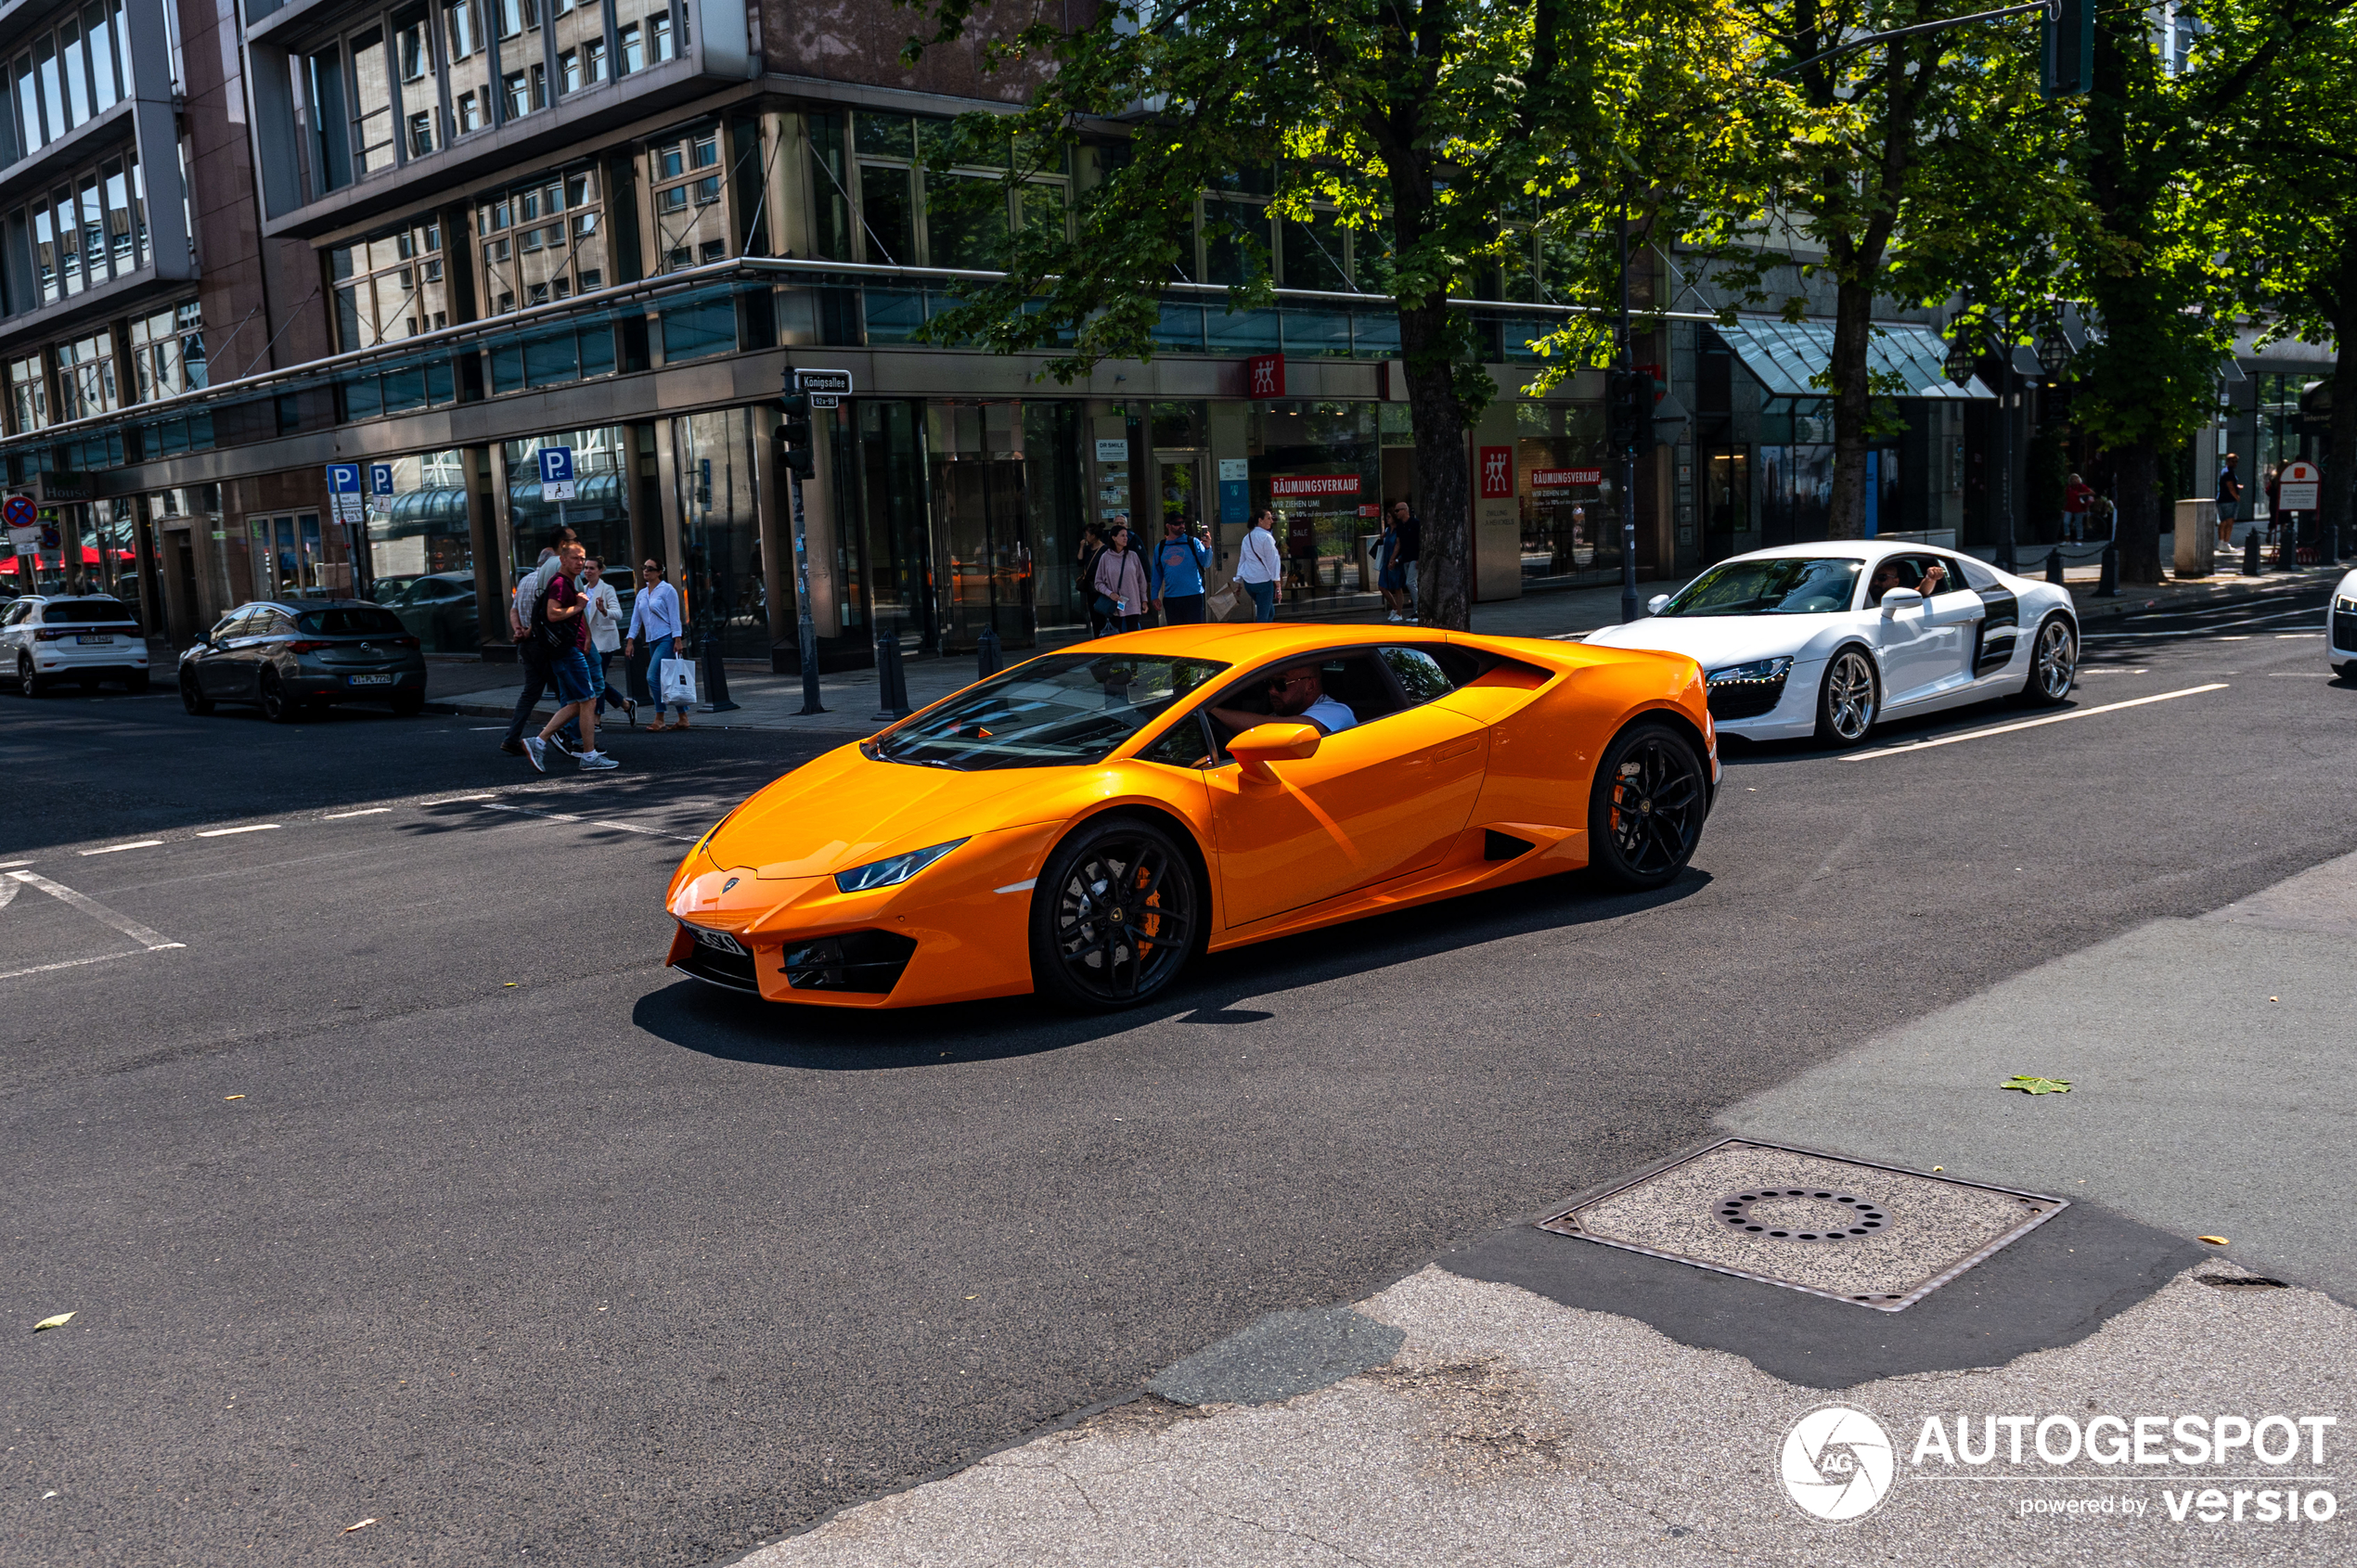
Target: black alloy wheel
<point>28,683</point>
<point>2054,662</point>
<point>1645,812</point>
<point>1115,917</point>
<point>277,706</point>
<point>192,696</point>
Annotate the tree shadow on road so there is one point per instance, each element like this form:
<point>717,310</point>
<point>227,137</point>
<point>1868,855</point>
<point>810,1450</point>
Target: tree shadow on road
<point>1216,990</point>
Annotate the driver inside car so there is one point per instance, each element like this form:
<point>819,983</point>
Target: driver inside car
<point>1899,573</point>
<point>1298,693</point>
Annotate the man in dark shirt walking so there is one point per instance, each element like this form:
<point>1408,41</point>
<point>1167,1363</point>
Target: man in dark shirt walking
<point>1410,530</point>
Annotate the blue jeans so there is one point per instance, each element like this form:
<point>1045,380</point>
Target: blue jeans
<point>658,651</point>
<point>1264,601</point>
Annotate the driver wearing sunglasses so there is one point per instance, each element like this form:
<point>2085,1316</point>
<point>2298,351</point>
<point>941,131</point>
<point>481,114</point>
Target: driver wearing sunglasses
<point>1298,693</point>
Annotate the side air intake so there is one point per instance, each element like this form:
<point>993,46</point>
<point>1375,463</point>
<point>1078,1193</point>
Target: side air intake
<point>1503,846</point>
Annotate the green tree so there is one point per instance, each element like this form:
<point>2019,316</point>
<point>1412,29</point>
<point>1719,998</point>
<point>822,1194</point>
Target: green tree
<point>2288,171</point>
<point>2148,270</point>
<point>1911,168</point>
<point>1423,122</point>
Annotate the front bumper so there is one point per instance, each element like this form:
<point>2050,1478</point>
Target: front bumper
<point>1792,715</point>
<point>957,931</point>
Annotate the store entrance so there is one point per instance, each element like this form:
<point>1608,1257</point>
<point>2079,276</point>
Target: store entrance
<point>1183,491</point>
<point>1726,500</point>
<point>990,578</point>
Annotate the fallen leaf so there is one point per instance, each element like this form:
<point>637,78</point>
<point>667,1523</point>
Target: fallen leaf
<point>46,1495</point>
<point>233,1097</point>
<point>510,984</point>
<point>1940,1167</point>
<point>973,1298</point>
<point>362,1526</point>
<point>2213,1240</point>
<point>2028,1085</point>
<point>59,1321</point>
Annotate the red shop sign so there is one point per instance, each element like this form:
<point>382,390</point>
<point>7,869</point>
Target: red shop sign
<point>1559,478</point>
<point>1264,374</point>
<point>1496,473</point>
<point>1313,484</point>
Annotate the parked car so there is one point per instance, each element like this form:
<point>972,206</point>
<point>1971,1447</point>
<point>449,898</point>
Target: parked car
<point>86,638</point>
<point>290,656</point>
<point>437,609</point>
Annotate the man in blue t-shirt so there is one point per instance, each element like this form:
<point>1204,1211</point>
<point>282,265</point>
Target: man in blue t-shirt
<point>1175,574</point>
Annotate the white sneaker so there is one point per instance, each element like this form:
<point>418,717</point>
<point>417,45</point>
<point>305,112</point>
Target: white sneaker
<point>593,761</point>
<point>1397,617</point>
<point>538,749</point>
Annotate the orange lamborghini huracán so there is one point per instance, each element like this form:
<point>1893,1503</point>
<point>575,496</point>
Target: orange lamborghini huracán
<point>1087,823</point>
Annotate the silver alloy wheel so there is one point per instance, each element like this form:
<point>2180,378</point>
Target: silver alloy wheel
<point>1849,695</point>
<point>2057,658</point>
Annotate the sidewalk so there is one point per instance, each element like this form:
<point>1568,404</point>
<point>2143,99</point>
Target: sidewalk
<point>478,690</point>
<point>1535,1398</point>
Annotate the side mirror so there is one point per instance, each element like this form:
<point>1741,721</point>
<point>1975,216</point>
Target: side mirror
<point>1653,605</point>
<point>1278,741</point>
<point>1898,599</point>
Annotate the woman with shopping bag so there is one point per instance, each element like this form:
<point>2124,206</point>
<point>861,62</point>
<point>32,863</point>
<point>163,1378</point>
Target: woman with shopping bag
<point>655,616</point>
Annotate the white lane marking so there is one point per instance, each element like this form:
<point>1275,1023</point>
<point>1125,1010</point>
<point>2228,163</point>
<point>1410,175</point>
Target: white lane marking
<point>594,822</point>
<point>152,941</point>
<point>5,865</point>
<point>1018,887</point>
<point>2193,631</point>
<point>2302,674</point>
<point>224,833</point>
<point>8,886</point>
<point>68,963</point>
<point>2027,724</point>
<point>117,849</point>
<point>365,811</point>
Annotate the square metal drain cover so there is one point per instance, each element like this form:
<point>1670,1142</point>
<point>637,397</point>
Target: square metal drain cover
<point>1846,1230</point>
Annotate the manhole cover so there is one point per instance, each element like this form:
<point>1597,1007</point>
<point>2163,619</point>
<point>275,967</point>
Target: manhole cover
<point>1848,1229</point>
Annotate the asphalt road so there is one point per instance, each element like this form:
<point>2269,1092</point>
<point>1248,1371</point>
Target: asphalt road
<point>530,1249</point>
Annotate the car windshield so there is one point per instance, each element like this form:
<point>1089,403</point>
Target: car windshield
<point>1777,585</point>
<point>1067,710</point>
<point>342,621</point>
<point>87,613</point>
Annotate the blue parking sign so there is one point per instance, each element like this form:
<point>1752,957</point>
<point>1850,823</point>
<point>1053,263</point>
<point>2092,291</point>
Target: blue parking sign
<point>343,479</point>
<point>556,473</point>
<point>381,479</point>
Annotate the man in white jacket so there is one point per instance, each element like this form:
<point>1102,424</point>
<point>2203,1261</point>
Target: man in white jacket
<point>604,608</point>
<point>1258,566</point>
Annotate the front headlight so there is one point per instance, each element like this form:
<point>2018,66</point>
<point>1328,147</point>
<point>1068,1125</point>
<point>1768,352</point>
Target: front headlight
<point>1758,670</point>
<point>2342,601</point>
<point>886,873</point>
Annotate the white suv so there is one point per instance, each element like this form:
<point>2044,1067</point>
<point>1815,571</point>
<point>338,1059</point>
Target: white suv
<point>88,638</point>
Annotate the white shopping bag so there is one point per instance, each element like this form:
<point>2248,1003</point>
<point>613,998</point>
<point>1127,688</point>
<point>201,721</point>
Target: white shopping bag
<point>679,681</point>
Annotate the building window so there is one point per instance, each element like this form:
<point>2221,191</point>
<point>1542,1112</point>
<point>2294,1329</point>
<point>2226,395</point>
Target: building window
<point>659,36</point>
<point>86,231</point>
<point>381,292</point>
<point>68,73</point>
<point>560,239</point>
<point>518,17</point>
<point>28,394</point>
<point>372,89</point>
<point>167,353</point>
<point>417,56</point>
<point>469,113</point>
<point>85,378</point>
<point>634,50</point>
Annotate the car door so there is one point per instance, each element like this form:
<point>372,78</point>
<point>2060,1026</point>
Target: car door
<point>1380,800</point>
<point>214,665</point>
<point>1955,614</point>
<point>1921,648</point>
<point>1997,634</point>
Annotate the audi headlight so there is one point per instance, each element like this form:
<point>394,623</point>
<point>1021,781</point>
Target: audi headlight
<point>888,873</point>
<point>2342,601</point>
<point>1758,670</point>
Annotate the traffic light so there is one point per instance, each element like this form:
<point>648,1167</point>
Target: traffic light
<point>1629,411</point>
<point>2067,62</point>
<point>794,438</point>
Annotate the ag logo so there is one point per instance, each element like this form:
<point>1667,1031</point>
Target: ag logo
<point>1837,1463</point>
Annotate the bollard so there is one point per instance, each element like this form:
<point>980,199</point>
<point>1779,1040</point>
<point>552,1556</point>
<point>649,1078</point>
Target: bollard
<point>2251,554</point>
<point>716,678</point>
<point>892,682</point>
<point>2107,585</point>
<point>986,654</point>
<point>2055,565</point>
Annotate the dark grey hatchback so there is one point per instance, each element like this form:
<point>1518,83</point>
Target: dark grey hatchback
<point>288,658</point>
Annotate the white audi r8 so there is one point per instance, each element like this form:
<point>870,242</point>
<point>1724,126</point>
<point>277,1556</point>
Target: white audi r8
<point>1830,638</point>
<point>2340,630</point>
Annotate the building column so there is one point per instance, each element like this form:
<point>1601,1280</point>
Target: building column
<point>486,539</point>
<point>673,554</point>
<point>773,492</point>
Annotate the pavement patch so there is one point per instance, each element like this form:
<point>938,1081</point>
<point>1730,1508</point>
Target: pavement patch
<point>1285,1354</point>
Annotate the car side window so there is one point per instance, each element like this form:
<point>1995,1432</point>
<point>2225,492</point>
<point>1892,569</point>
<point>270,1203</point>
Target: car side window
<point>16,612</point>
<point>1419,675</point>
<point>1183,745</point>
<point>232,625</point>
<point>1978,576</point>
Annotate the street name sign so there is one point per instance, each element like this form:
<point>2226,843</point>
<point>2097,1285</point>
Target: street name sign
<point>827,388</point>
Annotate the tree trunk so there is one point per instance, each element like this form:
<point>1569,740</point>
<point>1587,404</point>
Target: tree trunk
<point>1853,405</point>
<point>2339,491</point>
<point>2139,521</point>
<point>1444,502</point>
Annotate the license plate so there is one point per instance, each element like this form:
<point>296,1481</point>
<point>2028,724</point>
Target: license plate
<point>719,939</point>
<point>95,639</point>
<point>370,680</point>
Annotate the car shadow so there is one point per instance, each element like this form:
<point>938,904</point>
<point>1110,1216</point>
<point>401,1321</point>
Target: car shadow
<point>703,1018</point>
